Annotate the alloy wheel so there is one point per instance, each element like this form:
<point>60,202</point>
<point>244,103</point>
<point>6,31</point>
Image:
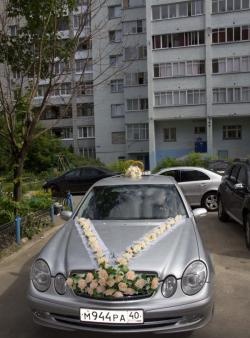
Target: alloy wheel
<point>211,202</point>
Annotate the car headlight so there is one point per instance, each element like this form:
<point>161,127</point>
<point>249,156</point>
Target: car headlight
<point>60,284</point>
<point>169,286</point>
<point>40,275</point>
<point>194,278</point>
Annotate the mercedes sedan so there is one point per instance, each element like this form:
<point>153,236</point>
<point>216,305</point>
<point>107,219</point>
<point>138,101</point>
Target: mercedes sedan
<point>129,259</point>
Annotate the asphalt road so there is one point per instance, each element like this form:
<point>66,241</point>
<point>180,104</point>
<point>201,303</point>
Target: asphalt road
<point>232,265</point>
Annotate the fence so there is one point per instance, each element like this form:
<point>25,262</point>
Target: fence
<point>31,224</point>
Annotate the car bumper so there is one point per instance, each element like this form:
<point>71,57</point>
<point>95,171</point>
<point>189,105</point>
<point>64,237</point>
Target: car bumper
<point>158,317</point>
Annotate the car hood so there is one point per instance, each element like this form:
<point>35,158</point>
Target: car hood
<point>170,254</point>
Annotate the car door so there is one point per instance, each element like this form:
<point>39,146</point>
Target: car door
<point>70,181</point>
<point>238,194</point>
<point>228,196</point>
<point>193,183</point>
<point>88,177</point>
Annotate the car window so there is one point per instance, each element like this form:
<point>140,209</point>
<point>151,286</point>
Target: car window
<point>242,176</point>
<point>234,173</point>
<point>73,174</point>
<point>132,202</point>
<point>172,173</point>
<point>90,172</point>
<point>193,175</point>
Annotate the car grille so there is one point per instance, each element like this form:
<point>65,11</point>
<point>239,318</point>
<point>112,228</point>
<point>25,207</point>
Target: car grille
<point>148,323</point>
<point>125,298</point>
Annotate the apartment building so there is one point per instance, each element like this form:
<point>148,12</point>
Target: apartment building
<point>162,78</point>
<point>198,75</point>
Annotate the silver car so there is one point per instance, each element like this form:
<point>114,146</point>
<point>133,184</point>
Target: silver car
<point>199,185</point>
<point>166,284</point>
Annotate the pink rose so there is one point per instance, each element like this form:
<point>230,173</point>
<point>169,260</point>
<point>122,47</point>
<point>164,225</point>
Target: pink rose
<point>110,282</point>
<point>70,282</point>
<point>100,289</point>
<point>102,282</point>
<point>90,291</point>
<point>140,283</point>
<point>89,277</point>
<point>122,286</point>
<point>118,294</point>
<point>154,283</point>
<point>130,292</point>
<point>118,278</point>
<point>93,284</point>
<point>82,283</point>
<point>130,275</point>
<point>102,274</point>
<point>109,292</point>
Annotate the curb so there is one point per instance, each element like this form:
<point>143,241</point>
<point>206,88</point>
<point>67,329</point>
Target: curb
<point>30,243</point>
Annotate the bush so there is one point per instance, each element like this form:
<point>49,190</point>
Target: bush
<point>192,159</point>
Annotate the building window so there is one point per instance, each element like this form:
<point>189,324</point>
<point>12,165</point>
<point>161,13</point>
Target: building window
<point>85,109</point>
<point>177,10</point>
<point>86,132</point>
<point>63,133</point>
<point>200,130</point>
<point>136,79</point>
<point>234,64</point>
<point>230,34</point>
<point>114,12</point>
<point>134,27</point>
<point>88,152</point>
<point>222,6</point>
<point>115,36</point>
<point>118,137</point>
<point>231,95</point>
<point>133,3</point>
<point>137,132</point>
<point>116,86</point>
<point>137,104</point>
<point>232,132</point>
<point>182,68</point>
<point>169,134</point>
<point>12,30</point>
<point>174,40</point>
<point>85,88</point>
<point>180,97</point>
<point>135,53</point>
<point>83,65</point>
<point>115,60</point>
<point>117,110</point>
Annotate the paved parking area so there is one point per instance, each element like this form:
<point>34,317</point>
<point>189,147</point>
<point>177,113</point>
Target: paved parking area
<point>232,264</point>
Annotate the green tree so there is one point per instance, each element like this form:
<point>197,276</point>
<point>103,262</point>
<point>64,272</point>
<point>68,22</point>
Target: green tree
<point>31,53</point>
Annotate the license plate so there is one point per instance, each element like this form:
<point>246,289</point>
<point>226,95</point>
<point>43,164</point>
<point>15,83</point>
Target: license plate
<point>111,316</point>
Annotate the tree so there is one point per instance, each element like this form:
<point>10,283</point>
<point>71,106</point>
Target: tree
<point>31,47</point>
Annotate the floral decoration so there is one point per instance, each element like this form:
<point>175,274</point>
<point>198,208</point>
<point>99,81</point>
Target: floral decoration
<point>117,280</point>
<point>133,172</point>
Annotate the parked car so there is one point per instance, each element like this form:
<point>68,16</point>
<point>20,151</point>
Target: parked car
<point>199,185</point>
<point>234,196</point>
<point>77,180</point>
<point>173,271</point>
<point>218,166</point>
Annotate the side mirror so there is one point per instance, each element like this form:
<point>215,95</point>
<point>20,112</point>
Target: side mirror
<point>199,212</point>
<point>239,186</point>
<point>66,215</point>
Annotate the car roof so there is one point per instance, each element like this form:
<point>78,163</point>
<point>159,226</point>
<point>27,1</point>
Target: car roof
<point>145,179</point>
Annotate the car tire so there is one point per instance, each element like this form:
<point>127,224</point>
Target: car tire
<point>247,230</point>
<point>222,215</point>
<point>210,201</point>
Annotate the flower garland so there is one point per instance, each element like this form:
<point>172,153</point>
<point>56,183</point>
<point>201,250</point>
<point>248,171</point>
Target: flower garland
<point>117,281</point>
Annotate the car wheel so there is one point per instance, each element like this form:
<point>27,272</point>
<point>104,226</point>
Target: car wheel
<point>210,201</point>
<point>247,229</point>
<point>222,215</point>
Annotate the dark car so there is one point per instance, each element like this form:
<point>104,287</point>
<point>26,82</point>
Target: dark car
<point>234,196</point>
<point>77,180</point>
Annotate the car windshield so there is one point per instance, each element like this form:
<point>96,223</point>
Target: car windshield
<point>132,202</point>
